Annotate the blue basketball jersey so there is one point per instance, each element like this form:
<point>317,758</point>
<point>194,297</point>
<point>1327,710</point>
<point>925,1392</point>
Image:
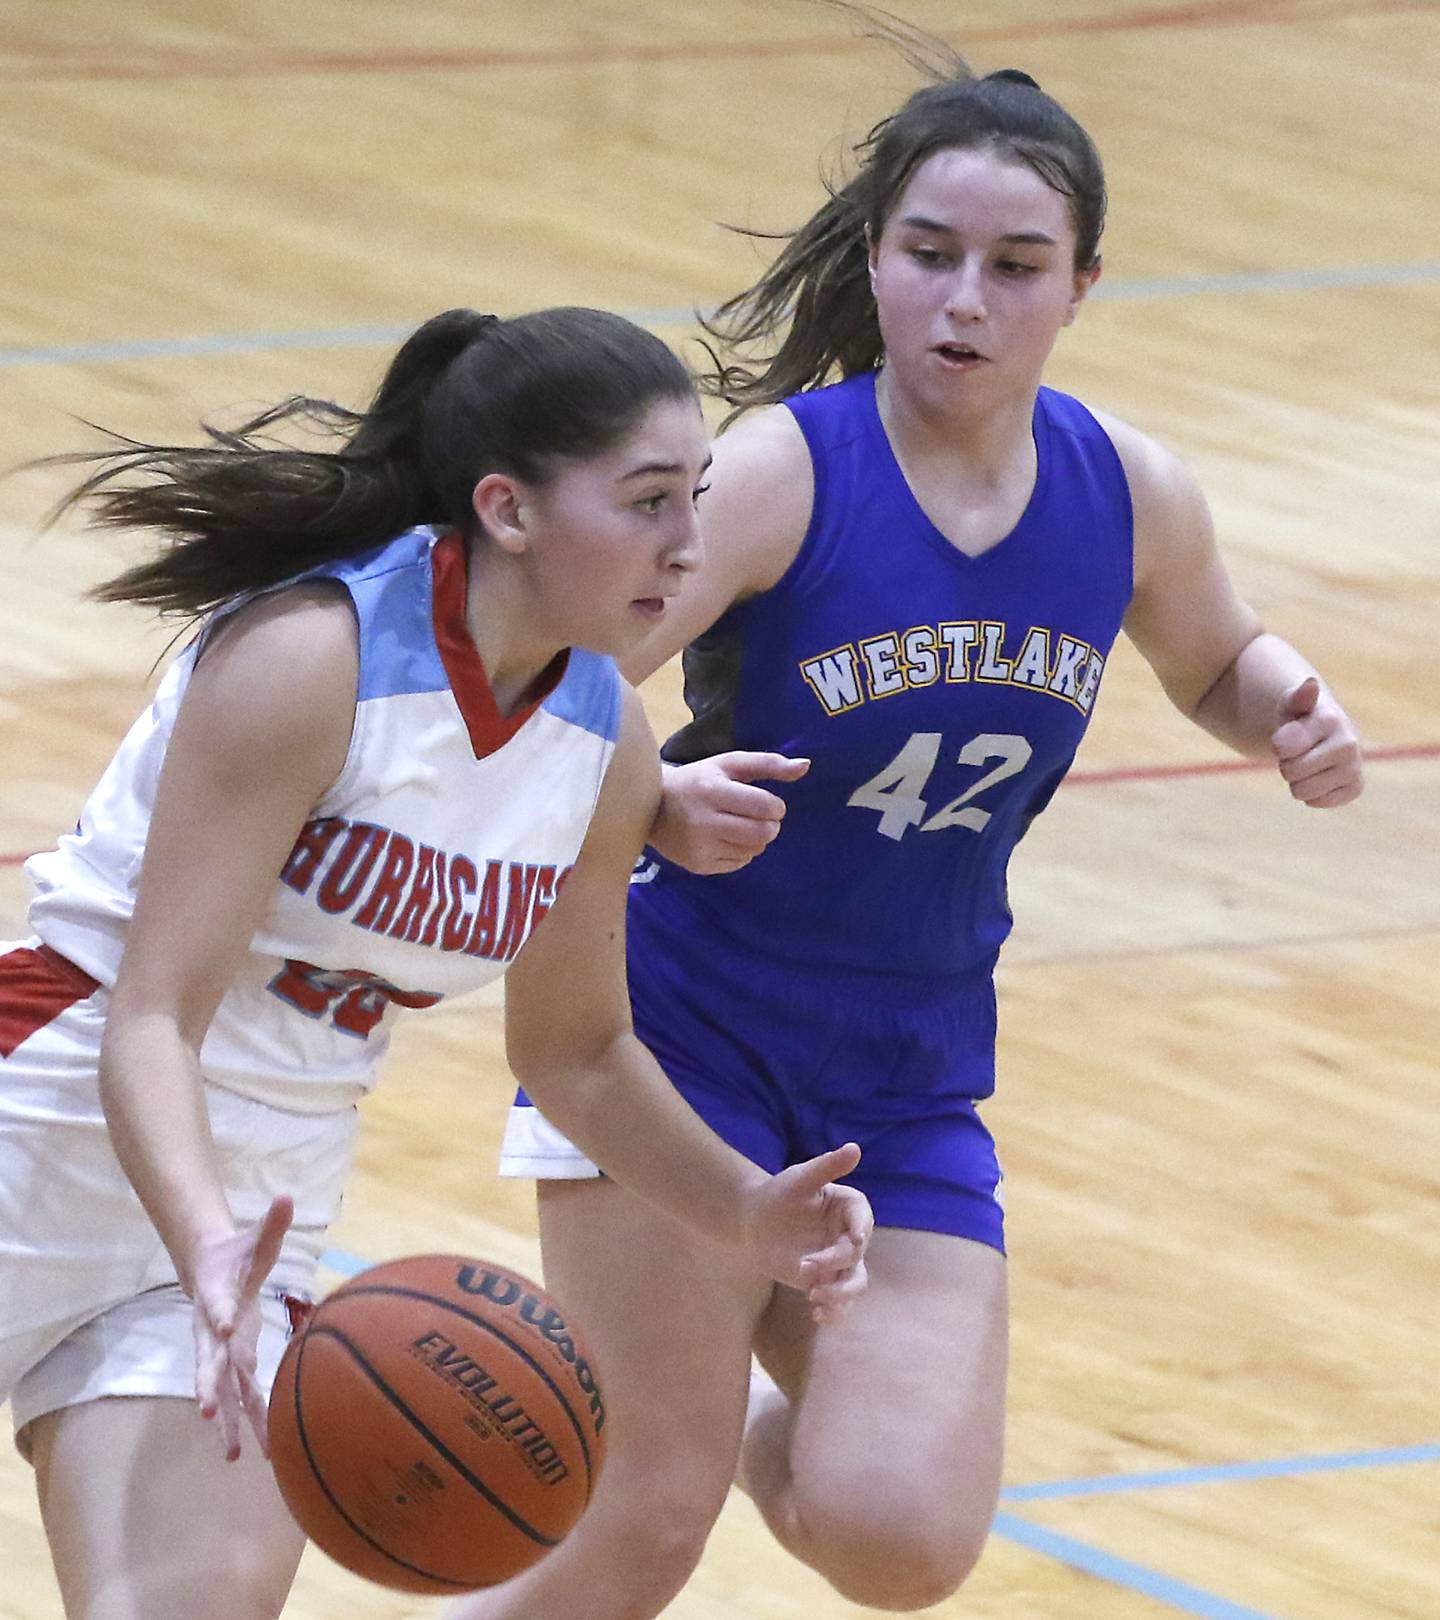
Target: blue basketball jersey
<point>940,697</point>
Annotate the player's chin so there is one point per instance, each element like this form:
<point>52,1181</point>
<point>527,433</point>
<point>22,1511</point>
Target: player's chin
<point>625,630</point>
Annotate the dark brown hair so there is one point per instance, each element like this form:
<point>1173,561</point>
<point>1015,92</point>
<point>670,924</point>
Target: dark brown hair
<point>817,290</point>
<point>465,395</point>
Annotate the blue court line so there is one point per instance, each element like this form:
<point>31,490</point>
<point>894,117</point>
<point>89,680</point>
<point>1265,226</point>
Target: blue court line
<point>177,348</point>
<point>341,1260</point>
<point>1222,1473</point>
<point>1121,1572</point>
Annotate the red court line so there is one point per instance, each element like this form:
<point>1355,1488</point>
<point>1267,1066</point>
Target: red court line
<point>238,63</point>
<point>1137,773</point>
<point>1226,767</point>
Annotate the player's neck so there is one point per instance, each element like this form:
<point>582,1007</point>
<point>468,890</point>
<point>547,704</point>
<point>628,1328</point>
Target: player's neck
<point>515,652</point>
<point>978,449</point>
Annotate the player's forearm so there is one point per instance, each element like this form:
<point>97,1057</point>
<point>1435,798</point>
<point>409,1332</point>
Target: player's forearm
<point>1242,708</point>
<point>154,1104</point>
<point>620,1110</point>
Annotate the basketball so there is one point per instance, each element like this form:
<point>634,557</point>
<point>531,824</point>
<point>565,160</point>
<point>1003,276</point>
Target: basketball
<point>437,1425</point>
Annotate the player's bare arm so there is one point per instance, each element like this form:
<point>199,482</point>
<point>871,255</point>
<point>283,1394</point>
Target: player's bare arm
<point>262,732</point>
<point>1219,666</point>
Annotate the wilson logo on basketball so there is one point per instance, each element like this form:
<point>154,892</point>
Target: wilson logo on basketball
<point>497,1414</point>
<point>505,1291</point>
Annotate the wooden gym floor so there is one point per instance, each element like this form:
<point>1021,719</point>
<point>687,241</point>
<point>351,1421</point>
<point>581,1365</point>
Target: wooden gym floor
<point>1217,1098</point>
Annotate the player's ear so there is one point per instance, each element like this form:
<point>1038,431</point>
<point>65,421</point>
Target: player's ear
<point>498,501</point>
<point>1083,282</point>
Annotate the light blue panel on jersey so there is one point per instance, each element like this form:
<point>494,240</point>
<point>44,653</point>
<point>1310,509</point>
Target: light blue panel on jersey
<point>589,695</point>
<point>392,591</point>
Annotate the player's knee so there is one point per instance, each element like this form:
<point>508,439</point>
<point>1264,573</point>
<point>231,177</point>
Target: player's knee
<point>893,1562</point>
<point>902,1574</point>
<point>254,1582</point>
<point>661,1556</point>
<point>663,1531</point>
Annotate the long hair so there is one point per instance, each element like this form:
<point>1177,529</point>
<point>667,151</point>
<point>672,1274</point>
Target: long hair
<point>812,313</point>
<point>465,395</point>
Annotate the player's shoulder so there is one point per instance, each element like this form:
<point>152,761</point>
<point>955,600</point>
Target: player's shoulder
<point>296,629</point>
<point>1155,473</point>
<point>290,653</point>
<point>1172,522</point>
<point>761,487</point>
<point>766,441</point>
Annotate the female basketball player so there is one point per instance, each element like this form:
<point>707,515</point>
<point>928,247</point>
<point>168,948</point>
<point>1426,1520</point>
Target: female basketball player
<point>382,762</point>
<point>914,577</point>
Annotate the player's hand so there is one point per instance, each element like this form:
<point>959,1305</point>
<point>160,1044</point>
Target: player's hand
<point>812,1235</point>
<point>227,1272</point>
<point>713,818</point>
<point>1317,748</point>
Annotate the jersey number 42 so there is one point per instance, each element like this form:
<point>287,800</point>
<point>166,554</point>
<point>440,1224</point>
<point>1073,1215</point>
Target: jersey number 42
<point>898,791</point>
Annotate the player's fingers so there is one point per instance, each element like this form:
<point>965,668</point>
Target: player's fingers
<point>269,1235</point>
<point>1346,794</point>
<point>749,833</point>
<point>1293,741</point>
<point>829,1302</point>
<point>230,1415</point>
<point>723,858</point>
<point>1323,783</point>
<point>817,1173</point>
<point>838,1293</point>
<point>841,1255</point>
<point>252,1399</point>
<point>743,800</point>
<point>1300,699</point>
<point>759,767</point>
<point>217,1301</point>
<point>209,1361</point>
<point>857,1219</point>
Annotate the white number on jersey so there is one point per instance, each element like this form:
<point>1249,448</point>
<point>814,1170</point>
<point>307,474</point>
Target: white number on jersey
<point>898,791</point>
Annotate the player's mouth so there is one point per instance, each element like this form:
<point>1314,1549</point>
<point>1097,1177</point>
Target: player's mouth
<point>651,607</point>
<point>959,356</point>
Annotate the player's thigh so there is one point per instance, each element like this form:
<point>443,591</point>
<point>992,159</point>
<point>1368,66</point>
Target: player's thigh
<point>669,1318</point>
<point>899,1407</point>
<point>146,1519</point>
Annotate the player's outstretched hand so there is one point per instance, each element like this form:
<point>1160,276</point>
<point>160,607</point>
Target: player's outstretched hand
<point>811,1234</point>
<point>1317,748</point>
<point>713,818</point>
<point>228,1274</point>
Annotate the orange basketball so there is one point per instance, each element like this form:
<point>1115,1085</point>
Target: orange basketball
<point>437,1424</point>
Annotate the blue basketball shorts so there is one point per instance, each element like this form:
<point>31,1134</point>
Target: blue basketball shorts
<point>785,1065</point>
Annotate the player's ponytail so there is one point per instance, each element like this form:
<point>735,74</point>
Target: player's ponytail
<point>817,291</point>
<point>465,395</point>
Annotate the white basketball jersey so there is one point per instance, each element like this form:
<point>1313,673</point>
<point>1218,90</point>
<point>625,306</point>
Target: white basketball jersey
<point>419,875</point>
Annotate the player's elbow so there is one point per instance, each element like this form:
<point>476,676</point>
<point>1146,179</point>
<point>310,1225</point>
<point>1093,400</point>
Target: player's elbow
<point>567,1070</point>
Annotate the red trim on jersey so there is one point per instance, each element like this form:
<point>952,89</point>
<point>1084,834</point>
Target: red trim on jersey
<point>489,729</point>
<point>36,986</point>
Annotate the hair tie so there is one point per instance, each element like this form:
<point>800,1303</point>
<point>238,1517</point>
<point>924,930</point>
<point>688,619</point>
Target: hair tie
<point>1013,76</point>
